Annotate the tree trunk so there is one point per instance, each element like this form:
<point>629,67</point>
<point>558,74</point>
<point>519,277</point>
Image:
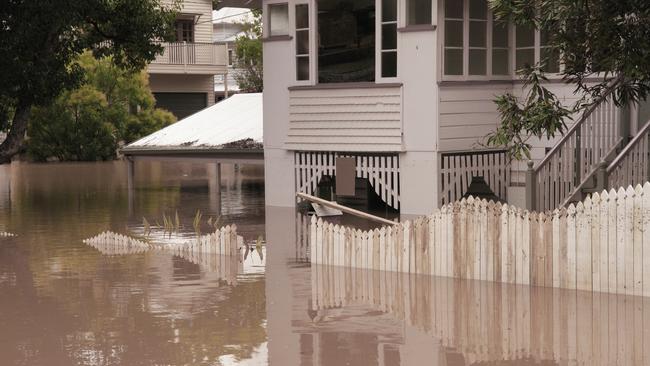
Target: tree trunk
<point>14,142</point>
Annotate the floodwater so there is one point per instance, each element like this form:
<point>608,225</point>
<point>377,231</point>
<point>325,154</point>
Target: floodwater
<point>65,303</point>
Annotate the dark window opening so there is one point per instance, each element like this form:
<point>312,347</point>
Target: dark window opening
<point>184,30</point>
<point>346,41</point>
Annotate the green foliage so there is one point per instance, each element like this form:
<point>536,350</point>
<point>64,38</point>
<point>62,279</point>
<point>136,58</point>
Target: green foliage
<point>604,46</point>
<point>41,42</point>
<point>539,115</point>
<point>248,49</point>
<point>114,106</point>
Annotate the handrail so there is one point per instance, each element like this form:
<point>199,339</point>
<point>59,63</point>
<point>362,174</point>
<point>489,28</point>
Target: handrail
<point>629,147</point>
<point>349,210</point>
<point>587,113</point>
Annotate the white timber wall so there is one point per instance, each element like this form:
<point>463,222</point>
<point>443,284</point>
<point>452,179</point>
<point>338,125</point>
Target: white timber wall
<point>351,119</point>
<point>601,245</point>
<point>202,9</point>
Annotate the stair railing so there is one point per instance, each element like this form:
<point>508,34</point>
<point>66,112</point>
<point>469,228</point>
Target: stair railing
<point>576,157</point>
<point>632,165</point>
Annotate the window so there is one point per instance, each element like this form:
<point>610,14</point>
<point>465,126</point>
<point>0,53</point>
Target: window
<point>453,53</point>
<point>418,12</point>
<point>389,38</point>
<point>500,48</point>
<point>478,21</point>
<point>302,42</point>
<point>524,46</point>
<point>549,57</point>
<point>230,57</point>
<point>278,19</point>
<point>346,41</point>
<point>184,30</point>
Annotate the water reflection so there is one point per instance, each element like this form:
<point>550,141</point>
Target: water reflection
<point>65,303</point>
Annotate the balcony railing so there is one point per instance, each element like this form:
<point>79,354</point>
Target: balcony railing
<point>191,53</point>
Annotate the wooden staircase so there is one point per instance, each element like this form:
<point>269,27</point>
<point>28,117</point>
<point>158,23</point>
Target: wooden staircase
<point>578,164</point>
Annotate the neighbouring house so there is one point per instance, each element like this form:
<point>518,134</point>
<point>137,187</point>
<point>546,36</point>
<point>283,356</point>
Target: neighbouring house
<point>406,88</point>
<point>182,78</point>
<point>228,24</point>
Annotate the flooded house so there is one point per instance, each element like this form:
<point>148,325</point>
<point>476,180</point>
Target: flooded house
<point>407,89</point>
<point>182,77</point>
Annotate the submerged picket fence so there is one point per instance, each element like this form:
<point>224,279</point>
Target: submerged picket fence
<point>5,234</point>
<point>223,241</point>
<point>601,244</point>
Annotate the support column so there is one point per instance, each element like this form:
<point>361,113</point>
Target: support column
<point>214,187</point>
<point>130,183</point>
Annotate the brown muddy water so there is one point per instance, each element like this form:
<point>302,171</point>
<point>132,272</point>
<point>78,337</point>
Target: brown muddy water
<point>65,303</point>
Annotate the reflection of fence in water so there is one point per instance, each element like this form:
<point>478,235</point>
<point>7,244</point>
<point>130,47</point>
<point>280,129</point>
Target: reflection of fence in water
<point>488,321</point>
<point>302,237</point>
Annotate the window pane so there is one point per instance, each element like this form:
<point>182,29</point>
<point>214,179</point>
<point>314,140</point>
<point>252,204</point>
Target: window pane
<point>453,62</point>
<point>525,57</point>
<point>389,37</point>
<point>550,59</point>
<point>389,10</point>
<point>346,32</point>
<point>453,33</point>
<point>302,16</point>
<point>500,34</point>
<point>525,36</point>
<point>454,9</point>
<point>389,64</point>
<point>500,62</point>
<point>418,12</point>
<point>477,62</point>
<point>477,32</point>
<point>278,19</point>
<point>478,9</point>
<point>302,42</point>
<point>302,68</point>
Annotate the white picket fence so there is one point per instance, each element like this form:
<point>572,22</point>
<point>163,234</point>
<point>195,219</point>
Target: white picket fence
<point>601,244</point>
<point>223,241</point>
<point>5,234</point>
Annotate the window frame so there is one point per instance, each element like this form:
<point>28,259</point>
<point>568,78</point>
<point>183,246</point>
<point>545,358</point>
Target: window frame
<point>489,76</point>
<point>313,60</point>
<point>379,32</point>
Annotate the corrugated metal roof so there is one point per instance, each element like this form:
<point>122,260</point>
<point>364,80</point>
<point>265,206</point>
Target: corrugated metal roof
<point>234,119</point>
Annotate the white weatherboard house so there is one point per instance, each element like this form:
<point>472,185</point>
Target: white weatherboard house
<point>407,88</point>
<point>182,78</point>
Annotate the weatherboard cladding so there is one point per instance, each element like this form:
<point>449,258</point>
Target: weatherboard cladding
<point>356,119</point>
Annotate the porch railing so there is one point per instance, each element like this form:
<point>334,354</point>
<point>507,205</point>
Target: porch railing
<point>575,158</point>
<point>632,165</point>
<point>192,53</point>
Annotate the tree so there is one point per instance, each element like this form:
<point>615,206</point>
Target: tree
<point>604,47</point>
<point>113,106</point>
<point>248,49</point>
<point>41,42</point>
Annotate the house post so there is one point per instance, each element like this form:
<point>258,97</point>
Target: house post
<point>214,187</point>
<point>531,186</point>
<point>130,182</point>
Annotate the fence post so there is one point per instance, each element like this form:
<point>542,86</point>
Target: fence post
<point>531,186</point>
<point>601,176</point>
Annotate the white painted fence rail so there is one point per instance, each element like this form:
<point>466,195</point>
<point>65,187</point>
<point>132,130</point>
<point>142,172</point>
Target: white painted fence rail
<point>601,244</point>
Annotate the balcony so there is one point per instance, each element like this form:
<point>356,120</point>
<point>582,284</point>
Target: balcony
<point>190,58</point>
